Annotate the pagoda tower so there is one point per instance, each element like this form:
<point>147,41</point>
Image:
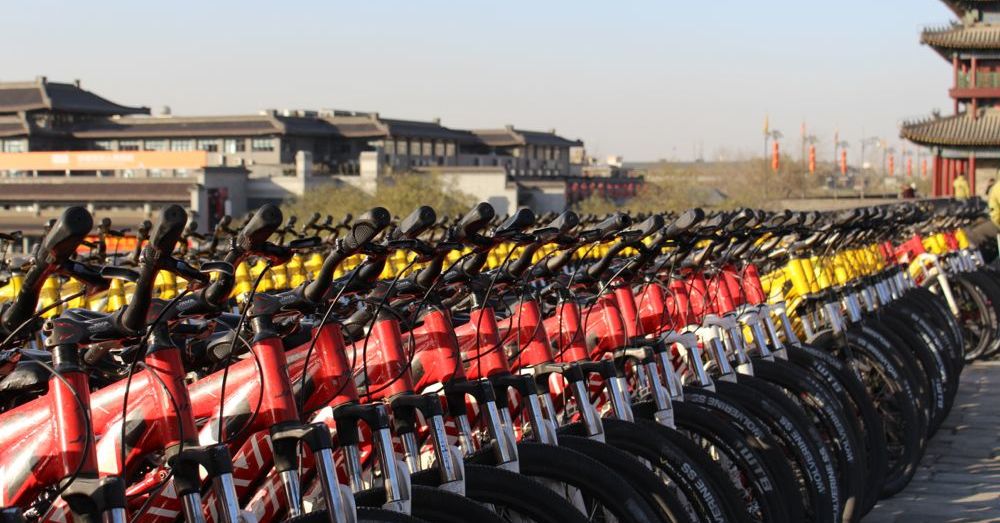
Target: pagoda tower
<point>968,141</point>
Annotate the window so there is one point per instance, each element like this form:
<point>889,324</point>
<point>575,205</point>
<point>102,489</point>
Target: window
<point>235,145</point>
<point>156,145</point>
<point>449,149</point>
<point>211,146</point>
<point>103,145</point>
<point>401,147</point>
<point>428,148</point>
<point>15,146</point>
<point>439,149</point>
<point>128,145</point>
<point>262,144</point>
<point>414,147</point>
<point>181,145</point>
<point>389,146</point>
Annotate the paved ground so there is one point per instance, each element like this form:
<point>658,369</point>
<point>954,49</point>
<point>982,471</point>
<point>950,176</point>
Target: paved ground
<point>959,477</point>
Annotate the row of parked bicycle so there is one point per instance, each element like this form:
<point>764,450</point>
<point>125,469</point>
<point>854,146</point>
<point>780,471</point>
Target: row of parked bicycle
<point>703,366</point>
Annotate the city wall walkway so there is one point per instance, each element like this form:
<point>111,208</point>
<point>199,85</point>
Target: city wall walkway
<point>959,477</point>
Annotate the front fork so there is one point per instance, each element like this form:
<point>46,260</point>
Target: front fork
<point>450,465</point>
<point>395,479</point>
<point>286,438</point>
<point>217,461</point>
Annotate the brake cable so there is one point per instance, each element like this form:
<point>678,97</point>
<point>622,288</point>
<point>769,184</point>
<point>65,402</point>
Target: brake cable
<point>166,478</point>
<point>354,354</point>
<point>56,374</point>
<point>479,321</point>
<point>300,399</point>
<point>378,310</point>
<point>140,350</point>
<point>38,314</point>
<point>232,349</point>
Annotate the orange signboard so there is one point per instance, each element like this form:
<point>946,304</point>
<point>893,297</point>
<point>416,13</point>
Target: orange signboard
<point>102,160</point>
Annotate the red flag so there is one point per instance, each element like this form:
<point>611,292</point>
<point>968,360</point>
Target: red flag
<point>812,159</point>
<point>909,167</point>
<point>843,162</point>
<point>776,158</point>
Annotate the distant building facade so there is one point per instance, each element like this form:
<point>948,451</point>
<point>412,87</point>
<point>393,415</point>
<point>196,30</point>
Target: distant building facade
<point>967,142</point>
<point>258,158</point>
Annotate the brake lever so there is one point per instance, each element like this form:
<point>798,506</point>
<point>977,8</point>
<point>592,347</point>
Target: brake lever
<point>120,273</point>
<point>220,267</point>
<point>308,242</point>
<point>185,270</point>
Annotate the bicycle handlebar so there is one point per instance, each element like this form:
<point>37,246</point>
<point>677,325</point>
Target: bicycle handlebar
<point>173,220</point>
<point>59,244</point>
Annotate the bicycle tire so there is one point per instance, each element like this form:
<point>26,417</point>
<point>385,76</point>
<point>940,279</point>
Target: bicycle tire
<point>813,466</point>
<point>592,478</point>
<point>505,490</point>
<point>434,505</point>
<point>365,515</point>
<point>756,482</point>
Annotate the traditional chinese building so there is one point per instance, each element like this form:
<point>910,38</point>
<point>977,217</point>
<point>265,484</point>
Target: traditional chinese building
<point>967,141</point>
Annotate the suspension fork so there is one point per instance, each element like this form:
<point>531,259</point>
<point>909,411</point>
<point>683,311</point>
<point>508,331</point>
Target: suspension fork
<point>648,377</point>
<point>525,385</point>
<point>494,411</point>
<point>576,376</point>
<point>731,336</point>
<point>216,460</point>
<point>450,465</point>
<point>395,478</point>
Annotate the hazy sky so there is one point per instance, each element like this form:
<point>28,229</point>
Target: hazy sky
<point>647,80</point>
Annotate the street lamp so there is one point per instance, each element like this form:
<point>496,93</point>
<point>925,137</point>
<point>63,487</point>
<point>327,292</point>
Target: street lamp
<point>867,142</point>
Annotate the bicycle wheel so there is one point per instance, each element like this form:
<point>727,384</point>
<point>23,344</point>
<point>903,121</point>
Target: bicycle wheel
<point>514,497</point>
<point>860,411</point>
<point>825,411</point>
<point>699,482</point>
<point>812,466</point>
<point>890,387</point>
<point>601,494</point>
<point>642,478</point>
<point>434,505</point>
<point>365,515</point>
<point>740,457</point>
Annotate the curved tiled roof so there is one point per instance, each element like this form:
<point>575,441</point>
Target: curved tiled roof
<point>959,131</point>
<point>42,94</point>
<point>977,36</point>
<point>510,136</point>
<point>13,126</point>
<point>178,126</point>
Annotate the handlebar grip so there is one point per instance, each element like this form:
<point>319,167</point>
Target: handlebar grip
<point>473,222</point>
<point>613,224</point>
<point>565,222</point>
<point>685,221</point>
<point>165,236</point>
<point>366,228</point>
<point>168,231</point>
<point>519,221</point>
<point>60,242</point>
<point>66,234</point>
<point>417,222</point>
<point>259,227</point>
<point>650,225</point>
